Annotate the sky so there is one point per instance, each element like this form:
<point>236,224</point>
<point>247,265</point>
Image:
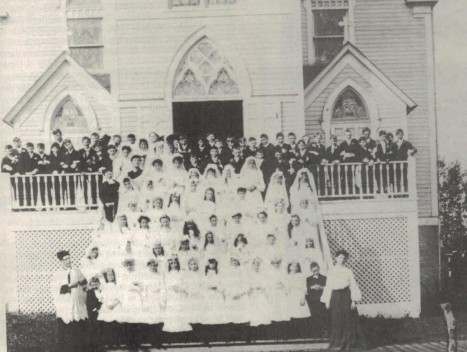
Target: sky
<point>450,23</point>
<point>450,27</point>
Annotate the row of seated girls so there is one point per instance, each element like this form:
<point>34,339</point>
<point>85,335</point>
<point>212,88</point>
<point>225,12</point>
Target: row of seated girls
<point>208,250</point>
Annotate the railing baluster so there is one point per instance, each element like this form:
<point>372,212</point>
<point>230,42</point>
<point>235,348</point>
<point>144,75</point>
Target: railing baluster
<point>339,181</point>
<point>331,180</point>
<point>17,202</point>
<point>388,175</point>
<point>367,179</point>
<point>395,183</point>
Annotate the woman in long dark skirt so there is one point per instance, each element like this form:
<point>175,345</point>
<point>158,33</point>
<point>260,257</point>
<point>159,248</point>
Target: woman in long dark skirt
<point>341,295</point>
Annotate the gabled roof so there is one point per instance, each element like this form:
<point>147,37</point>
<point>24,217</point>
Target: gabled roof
<point>63,58</point>
<point>350,50</point>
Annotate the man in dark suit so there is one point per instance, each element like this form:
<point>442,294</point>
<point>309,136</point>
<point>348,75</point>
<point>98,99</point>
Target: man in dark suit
<point>282,147</point>
<point>215,159</point>
<point>109,195</point>
<point>28,166</point>
<point>86,155</point>
<point>370,143</point>
<point>317,151</point>
<point>282,165</point>
<point>70,165</point>
<point>347,152</point>
<point>303,157</point>
<point>251,149</point>
<point>314,287</point>
<point>44,167</point>
<point>267,148</point>
<point>236,160</point>
<point>382,156</point>
<point>401,150</point>
<point>58,138</point>
<point>17,148</point>
<point>194,163</point>
<point>202,150</point>
<point>183,148</point>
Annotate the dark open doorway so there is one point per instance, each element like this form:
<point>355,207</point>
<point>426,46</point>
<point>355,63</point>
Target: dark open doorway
<point>198,118</point>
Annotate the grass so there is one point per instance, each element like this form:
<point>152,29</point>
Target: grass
<point>28,333</point>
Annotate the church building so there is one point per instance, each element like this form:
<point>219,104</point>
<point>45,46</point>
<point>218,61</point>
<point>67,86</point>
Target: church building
<point>243,68</point>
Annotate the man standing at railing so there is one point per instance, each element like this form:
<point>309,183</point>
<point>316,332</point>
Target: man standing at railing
<point>70,165</point>
<point>109,195</point>
<point>10,165</point>
<point>347,152</point>
<point>45,182</point>
<point>28,166</point>
<point>401,150</point>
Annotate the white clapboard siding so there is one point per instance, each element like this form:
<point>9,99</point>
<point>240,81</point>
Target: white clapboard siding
<point>394,40</point>
<point>264,45</point>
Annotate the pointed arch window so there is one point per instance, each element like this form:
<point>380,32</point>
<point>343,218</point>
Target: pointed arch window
<point>69,117</point>
<point>205,72</point>
<point>349,106</point>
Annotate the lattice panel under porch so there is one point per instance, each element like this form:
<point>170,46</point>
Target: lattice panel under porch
<point>379,256</point>
<point>36,260</point>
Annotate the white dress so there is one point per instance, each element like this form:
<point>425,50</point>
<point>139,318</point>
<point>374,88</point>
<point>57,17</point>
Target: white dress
<point>259,305</point>
<point>296,291</point>
<point>130,286</point>
<point>154,297</point>
<point>214,299</point>
<point>175,317</point>
<point>111,309</point>
<point>194,300</point>
<point>236,295</point>
<point>277,291</point>
<point>91,267</point>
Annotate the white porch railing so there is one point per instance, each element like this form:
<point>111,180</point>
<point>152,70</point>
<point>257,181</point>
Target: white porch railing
<point>55,192</point>
<point>395,179</point>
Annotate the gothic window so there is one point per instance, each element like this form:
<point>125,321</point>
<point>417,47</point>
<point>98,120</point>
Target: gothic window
<point>349,106</point>
<point>204,72</point>
<point>69,118</point>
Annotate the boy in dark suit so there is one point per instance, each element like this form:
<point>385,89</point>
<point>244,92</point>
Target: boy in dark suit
<point>315,286</point>
<point>401,150</point>
<point>109,195</point>
<point>28,166</point>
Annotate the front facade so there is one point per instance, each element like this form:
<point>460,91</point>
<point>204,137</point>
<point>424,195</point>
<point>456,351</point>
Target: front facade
<point>258,67</point>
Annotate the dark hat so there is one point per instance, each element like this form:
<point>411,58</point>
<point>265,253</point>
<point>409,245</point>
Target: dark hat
<point>62,254</point>
<point>143,217</point>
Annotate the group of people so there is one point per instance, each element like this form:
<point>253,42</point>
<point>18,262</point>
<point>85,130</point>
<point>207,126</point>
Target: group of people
<point>172,155</point>
<point>189,241</point>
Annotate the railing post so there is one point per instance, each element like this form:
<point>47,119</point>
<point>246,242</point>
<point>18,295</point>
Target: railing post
<point>412,177</point>
<point>6,191</point>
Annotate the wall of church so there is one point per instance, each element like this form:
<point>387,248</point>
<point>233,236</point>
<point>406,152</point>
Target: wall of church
<point>395,40</point>
<point>269,72</point>
<point>391,111</point>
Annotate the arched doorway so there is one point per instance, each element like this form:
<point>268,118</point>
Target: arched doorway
<point>206,96</point>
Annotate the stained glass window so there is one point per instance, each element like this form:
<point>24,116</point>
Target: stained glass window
<point>349,105</point>
<point>205,72</point>
<point>69,118</point>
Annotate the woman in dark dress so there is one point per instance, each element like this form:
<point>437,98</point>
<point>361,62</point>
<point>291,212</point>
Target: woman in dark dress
<point>341,295</point>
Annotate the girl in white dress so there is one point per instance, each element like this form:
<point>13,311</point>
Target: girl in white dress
<point>142,237</point>
<point>241,250</point>
<point>280,220</point>
<point>208,205</point>
<point>91,263</point>
<point>174,210</point>
<point>213,292</point>
<point>157,210</point>
<point>261,229</point>
<point>111,309</point>
<point>167,236</point>
<point>276,191</point>
<point>211,248</point>
<point>127,194</point>
<point>212,178</point>
<point>251,177</point>
<point>259,307</point>
<point>131,288</point>
<point>309,252</point>
<point>158,253</point>
<point>175,319</point>
<point>154,295</point>
<point>303,187</point>
<point>193,285</point>
<point>236,292</point>
<point>133,213</point>
<point>177,174</point>
<point>298,231</point>
<point>277,291</point>
<point>191,197</point>
<point>228,190</point>
<point>296,291</point>
<point>120,244</point>
<point>158,175</point>
<point>192,232</point>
